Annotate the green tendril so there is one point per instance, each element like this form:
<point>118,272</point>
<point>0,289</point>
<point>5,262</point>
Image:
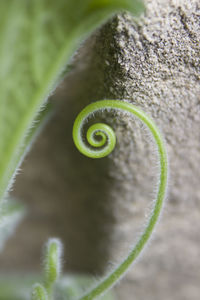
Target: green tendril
<point>52,263</point>
<point>39,292</point>
<point>108,140</point>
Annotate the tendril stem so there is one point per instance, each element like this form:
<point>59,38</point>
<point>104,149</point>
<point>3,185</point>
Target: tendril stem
<point>118,272</point>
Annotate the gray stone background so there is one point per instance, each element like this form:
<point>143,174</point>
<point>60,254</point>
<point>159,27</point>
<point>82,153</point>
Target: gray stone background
<point>97,207</point>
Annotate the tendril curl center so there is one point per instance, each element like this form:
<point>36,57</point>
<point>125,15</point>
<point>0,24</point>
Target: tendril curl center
<point>109,140</point>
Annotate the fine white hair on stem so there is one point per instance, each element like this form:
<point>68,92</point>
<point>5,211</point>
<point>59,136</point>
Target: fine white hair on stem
<point>53,259</point>
<point>114,276</point>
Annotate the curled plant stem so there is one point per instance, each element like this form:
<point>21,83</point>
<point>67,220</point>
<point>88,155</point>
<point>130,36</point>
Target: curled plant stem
<point>108,139</point>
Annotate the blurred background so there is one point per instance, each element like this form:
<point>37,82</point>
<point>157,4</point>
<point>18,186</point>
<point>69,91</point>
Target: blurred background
<point>98,207</point>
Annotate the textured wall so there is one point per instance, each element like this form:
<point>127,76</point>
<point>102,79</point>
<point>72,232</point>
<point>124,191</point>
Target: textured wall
<point>97,207</point>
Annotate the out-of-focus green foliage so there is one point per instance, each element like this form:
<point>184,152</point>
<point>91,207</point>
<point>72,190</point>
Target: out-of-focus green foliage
<point>10,215</point>
<point>69,287</point>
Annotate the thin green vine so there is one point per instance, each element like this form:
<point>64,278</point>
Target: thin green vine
<point>108,139</point>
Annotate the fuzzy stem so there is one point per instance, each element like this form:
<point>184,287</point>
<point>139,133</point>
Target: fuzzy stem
<point>118,272</point>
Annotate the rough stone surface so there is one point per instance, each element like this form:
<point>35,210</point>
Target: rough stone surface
<point>98,207</point>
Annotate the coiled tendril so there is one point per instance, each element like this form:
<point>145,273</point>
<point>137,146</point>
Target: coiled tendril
<point>109,140</point>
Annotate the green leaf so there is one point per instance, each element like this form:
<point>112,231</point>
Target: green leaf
<point>37,40</point>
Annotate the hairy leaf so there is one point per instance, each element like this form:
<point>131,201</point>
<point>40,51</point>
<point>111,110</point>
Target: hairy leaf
<point>37,39</point>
